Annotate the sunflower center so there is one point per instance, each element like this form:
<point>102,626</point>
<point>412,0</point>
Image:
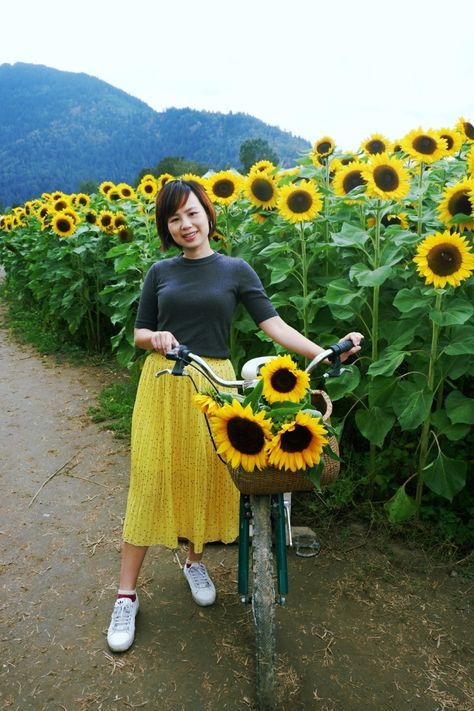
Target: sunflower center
<point>106,220</point>
<point>425,144</point>
<point>223,188</point>
<point>262,189</point>
<point>245,436</point>
<point>296,440</point>
<point>324,147</point>
<point>375,146</point>
<point>460,203</point>
<point>444,259</point>
<point>449,140</point>
<point>386,178</point>
<point>63,225</point>
<point>299,201</point>
<point>388,220</point>
<point>283,380</point>
<point>468,129</point>
<point>352,180</point>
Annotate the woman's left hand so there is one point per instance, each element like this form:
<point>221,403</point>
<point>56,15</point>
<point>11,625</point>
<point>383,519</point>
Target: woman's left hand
<point>356,339</point>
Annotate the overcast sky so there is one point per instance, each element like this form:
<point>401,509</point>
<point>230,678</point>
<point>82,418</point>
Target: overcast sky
<point>343,68</point>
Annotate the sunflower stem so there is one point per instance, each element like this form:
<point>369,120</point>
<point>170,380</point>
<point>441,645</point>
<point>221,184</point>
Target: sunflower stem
<point>375,334</point>
<point>419,207</point>
<point>304,279</point>
<point>425,431</point>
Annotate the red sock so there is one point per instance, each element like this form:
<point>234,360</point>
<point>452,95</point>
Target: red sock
<point>131,594</point>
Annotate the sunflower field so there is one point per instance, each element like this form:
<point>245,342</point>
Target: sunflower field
<point>379,240</point>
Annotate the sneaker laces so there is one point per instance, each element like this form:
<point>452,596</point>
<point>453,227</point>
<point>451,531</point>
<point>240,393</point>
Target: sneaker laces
<point>199,575</point>
<point>121,616</point>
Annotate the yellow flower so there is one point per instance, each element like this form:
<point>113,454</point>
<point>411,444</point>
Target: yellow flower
<point>454,140</point>
<point>206,404</point>
<point>81,200</point>
<point>148,187</point>
<point>63,224</point>
<point>466,129</point>
<point>105,220</point>
<point>126,191</point>
<point>299,202</point>
<point>444,258</point>
<point>401,219</point>
<point>163,179</point>
<point>106,187</point>
<point>262,166</point>
<point>424,146</point>
<point>298,444</point>
<point>375,144</point>
<point>224,187</point>
<point>470,161</point>
<point>386,178</point>
<point>322,149</point>
<point>119,222</point>
<point>458,199</point>
<point>348,177</point>
<point>283,381</point>
<point>261,189</point>
<point>241,436</point>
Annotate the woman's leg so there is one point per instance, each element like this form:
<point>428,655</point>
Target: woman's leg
<point>132,559</point>
<point>192,556</point>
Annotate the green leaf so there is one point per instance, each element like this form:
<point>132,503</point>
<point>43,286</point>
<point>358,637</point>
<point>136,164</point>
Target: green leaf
<point>444,427</point>
<point>281,270</point>
<point>446,476</point>
<point>341,292</point>
<point>387,363</point>
<point>459,408</point>
<point>407,300</point>
<point>350,236</point>
<point>462,343</point>
<point>341,386</point>
<point>369,277</point>
<point>374,424</point>
<point>458,313</point>
<point>412,404</point>
<point>380,390</point>
<point>400,507</point>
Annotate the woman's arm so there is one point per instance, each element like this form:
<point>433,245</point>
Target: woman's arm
<point>161,341</point>
<point>288,337</point>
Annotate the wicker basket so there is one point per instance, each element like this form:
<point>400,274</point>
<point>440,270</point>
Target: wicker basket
<point>276,481</point>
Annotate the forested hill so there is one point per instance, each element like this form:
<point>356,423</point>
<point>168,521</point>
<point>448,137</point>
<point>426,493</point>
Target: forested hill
<point>58,129</point>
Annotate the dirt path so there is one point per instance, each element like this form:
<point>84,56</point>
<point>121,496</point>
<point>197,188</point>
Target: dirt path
<point>366,627</point>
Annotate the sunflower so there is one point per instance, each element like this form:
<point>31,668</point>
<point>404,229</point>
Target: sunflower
<point>105,220</point>
<point>163,179</point>
<point>298,444</point>
<point>63,224</point>
<point>299,202</point>
<point>126,191</point>
<point>400,219</point>
<point>283,381</point>
<point>466,129</point>
<point>119,222</point>
<point>206,404</point>
<point>322,148</point>
<point>444,258</point>
<point>424,146</point>
<point>375,144</point>
<point>241,436</point>
<point>57,195</point>
<point>453,140</point>
<point>458,200</point>
<point>386,178</point>
<point>261,189</point>
<point>348,177</point>
<point>148,187</point>
<point>224,187</point>
<point>106,187</point>
<point>262,166</point>
<point>73,215</point>
<point>60,204</point>
<point>91,217</point>
<point>114,195</point>
<point>81,200</point>
<point>125,235</point>
<point>470,161</point>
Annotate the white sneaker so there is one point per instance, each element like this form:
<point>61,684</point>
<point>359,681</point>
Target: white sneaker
<point>121,631</point>
<point>202,587</point>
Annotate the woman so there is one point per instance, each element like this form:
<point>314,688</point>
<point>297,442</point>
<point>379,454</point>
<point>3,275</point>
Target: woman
<point>178,486</point>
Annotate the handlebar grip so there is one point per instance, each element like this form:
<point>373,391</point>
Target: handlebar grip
<point>177,353</point>
<point>341,347</point>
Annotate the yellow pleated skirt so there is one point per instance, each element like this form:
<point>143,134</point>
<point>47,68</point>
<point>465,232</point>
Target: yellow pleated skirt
<point>179,488</point>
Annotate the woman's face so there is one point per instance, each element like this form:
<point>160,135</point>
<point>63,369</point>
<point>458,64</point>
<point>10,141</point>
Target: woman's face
<point>189,228</point>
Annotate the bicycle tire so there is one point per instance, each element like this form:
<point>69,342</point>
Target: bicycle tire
<point>263,603</point>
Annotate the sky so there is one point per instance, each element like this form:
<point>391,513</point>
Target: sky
<point>339,68</point>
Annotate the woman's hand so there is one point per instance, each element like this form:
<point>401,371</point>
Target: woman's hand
<point>356,339</point>
<point>163,341</point>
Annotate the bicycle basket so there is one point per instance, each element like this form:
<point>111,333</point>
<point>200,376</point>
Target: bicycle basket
<point>275,481</point>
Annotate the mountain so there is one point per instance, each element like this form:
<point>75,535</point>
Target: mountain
<point>60,128</point>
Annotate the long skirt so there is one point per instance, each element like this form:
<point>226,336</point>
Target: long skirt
<point>179,488</point>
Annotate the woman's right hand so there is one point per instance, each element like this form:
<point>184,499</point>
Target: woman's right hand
<point>163,341</point>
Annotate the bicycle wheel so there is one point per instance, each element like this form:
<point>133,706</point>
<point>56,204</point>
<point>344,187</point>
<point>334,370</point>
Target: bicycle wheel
<point>263,603</point>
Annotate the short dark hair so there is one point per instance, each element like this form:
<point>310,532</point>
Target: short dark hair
<point>170,198</point>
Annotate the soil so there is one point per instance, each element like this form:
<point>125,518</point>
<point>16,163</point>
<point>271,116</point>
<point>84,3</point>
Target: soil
<point>369,624</point>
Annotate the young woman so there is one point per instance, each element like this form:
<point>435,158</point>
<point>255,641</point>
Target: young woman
<point>179,488</point>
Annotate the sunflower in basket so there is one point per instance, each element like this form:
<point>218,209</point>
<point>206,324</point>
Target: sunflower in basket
<point>274,424</point>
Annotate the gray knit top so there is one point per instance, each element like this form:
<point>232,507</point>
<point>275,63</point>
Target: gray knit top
<point>195,300</point>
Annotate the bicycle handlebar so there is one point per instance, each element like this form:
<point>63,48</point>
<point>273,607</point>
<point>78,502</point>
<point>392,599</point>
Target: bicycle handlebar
<point>183,356</point>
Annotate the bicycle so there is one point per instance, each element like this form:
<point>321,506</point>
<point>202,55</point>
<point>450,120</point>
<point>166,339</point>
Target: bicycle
<point>263,507</point>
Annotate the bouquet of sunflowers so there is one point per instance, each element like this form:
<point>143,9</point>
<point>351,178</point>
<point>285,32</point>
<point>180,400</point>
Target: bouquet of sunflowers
<point>273,425</point>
